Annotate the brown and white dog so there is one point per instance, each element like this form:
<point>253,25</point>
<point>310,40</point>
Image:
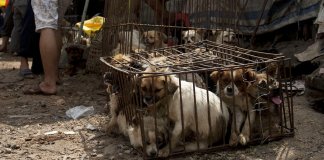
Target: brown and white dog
<point>166,91</point>
<point>156,136</point>
<point>266,93</point>
<point>224,36</point>
<point>154,39</point>
<point>232,87</point>
<point>240,89</point>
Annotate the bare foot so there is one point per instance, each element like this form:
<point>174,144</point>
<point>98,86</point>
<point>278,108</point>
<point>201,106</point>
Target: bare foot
<point>47,88</point>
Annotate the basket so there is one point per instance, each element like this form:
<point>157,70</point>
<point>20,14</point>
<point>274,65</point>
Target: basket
<point>93,64</point>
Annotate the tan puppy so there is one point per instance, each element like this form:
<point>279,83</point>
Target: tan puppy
<point>154,39</point>
<point>165,91</point>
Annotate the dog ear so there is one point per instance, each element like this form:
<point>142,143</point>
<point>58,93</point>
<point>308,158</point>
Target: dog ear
<point>172,85</point>
<point>162,36</point>
<point>249,75</point>
<point>183,33</point>
<point>201,32</point>
<point>216,75</point>
<point>144,35</point>
<point>135,121</point>
<point>272,69</point>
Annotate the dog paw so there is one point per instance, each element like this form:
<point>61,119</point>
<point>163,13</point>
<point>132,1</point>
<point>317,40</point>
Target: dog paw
<point>243,139</point>
<point>233,140</point>
<point>164,152</point>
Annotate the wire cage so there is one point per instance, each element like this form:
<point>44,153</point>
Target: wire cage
<point>135,25</point>
<point>199,97</point>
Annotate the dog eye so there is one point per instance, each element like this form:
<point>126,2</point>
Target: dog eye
<point>147,142</point>
<point>144,89</point>
<point>157,90</point>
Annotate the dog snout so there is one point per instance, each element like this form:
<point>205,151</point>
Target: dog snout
<point>275,91</point>
<point>153,153</point>
<point>146,41</point>
<point>148,99</point>
<point>229,90</point>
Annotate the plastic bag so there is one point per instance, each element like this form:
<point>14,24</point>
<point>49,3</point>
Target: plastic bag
<point>92,25</point>
<point>79,111</point>
<point>4,3</point>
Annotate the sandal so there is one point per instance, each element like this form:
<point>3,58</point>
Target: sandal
<point>26,73</point>
<point>37,91</point>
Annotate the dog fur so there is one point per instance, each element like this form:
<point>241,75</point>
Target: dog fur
<point>266,93</point>
<point>232,87</point>
<point>220,36</point>
<point>166,90</point>
<point>154,39</point>
<point>127,40</point>
<point>244,88</point>
<point>190,36</point>
<point>154,140</point>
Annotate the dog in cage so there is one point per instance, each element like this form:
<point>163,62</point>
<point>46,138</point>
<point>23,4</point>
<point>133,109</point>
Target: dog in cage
<point>154,138</point>
<point>129,41</point>
<point>265,92</point>
<point>155,134</point>
<point>191,36</point>
<point>243,90</point>
<point>154,39</point>
<point>168,92</point>
<point>220,36</point>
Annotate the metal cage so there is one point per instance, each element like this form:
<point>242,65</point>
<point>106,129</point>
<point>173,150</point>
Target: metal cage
<point>199,38</point>
<point>191,66</point>
<point>211,20</point>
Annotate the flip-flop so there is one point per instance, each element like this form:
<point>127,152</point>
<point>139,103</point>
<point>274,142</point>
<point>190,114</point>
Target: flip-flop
<point>26,73</point>
<point>37,91</point>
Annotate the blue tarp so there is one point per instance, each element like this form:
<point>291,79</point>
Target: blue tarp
<point>226,13</point>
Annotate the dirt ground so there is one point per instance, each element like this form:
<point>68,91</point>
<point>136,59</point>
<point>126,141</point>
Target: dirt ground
<point>25,120</point>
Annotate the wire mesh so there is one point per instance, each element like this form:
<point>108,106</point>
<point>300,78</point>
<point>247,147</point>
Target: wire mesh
<point>266,104</point>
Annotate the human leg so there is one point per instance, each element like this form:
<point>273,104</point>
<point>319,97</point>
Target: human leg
<point>49,54</point>
<point>46,20</point>
<point>7,27</point>
<point>20,7</point>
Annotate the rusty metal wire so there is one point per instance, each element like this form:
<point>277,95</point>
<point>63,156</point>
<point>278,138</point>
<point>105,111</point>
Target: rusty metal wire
<point>202,58</point>
<point>126,22</point>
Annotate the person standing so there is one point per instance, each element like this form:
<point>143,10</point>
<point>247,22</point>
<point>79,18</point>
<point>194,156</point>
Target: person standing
<point>48,19</point>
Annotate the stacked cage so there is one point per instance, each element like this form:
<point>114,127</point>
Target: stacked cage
<point>179,94</point>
